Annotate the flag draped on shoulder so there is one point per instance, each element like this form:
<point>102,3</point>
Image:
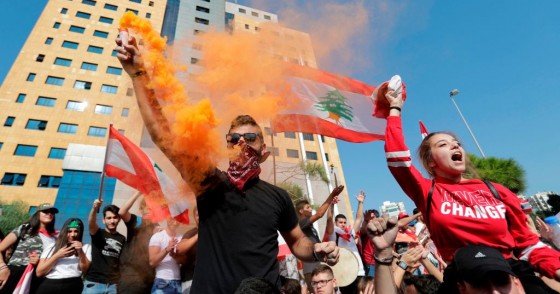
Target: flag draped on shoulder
<point>330,105</point>
<point>130,165</point>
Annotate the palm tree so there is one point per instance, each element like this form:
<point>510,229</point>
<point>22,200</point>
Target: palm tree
<point>503,171</point>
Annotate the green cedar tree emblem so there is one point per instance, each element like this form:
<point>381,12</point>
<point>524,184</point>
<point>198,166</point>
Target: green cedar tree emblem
<point>335,104</point>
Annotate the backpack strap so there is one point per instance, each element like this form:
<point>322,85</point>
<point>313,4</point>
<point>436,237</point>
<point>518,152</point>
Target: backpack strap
<point>492,189</point>
<point>429,202</point>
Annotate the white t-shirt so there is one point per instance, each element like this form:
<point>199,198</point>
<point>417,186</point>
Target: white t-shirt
<point>350,245</point>
<point>66,267</point>
<point>168,268</point>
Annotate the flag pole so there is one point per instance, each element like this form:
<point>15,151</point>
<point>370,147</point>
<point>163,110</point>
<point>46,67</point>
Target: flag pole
<point>100,193</point>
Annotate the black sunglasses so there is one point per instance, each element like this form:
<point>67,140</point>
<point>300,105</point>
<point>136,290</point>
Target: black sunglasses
<point>234,138</point>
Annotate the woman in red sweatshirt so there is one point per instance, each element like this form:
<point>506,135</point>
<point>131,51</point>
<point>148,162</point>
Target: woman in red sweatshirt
<point>462,211</point>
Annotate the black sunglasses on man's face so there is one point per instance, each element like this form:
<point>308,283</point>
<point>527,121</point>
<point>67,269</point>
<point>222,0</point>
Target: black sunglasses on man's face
<point>248,137</point>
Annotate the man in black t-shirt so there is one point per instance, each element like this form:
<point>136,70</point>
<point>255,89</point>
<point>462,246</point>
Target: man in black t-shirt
<point>106,247</point>
<point>306,220</point>
<point>240,215</point>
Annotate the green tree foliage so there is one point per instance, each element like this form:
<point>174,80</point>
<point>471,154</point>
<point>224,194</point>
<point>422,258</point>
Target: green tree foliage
<point>295,191</point>
<point>13,214</point>
<point>314,170</point>
<point>503,171</point>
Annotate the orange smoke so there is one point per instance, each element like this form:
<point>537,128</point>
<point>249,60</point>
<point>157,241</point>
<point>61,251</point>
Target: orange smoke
<point>193,125</point>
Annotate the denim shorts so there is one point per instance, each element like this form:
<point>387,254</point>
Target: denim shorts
<point>99,288</point>
<point>162,286</point>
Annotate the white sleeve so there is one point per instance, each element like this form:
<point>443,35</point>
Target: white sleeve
<point>87,250</point>
<point>155,240</point>
<point>47,251</point>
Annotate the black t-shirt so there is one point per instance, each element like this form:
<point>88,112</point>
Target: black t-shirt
<point>106,249</point>
<point>308,229</point>
<point>187,269</point>
<point>238,235</point>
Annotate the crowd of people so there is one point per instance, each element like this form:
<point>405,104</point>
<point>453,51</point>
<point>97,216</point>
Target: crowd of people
<point>466,235</point>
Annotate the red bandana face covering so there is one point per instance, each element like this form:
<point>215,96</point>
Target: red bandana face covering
<point>246,167</point>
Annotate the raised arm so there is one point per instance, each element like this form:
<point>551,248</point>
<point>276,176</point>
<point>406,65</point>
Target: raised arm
<point>383,232</point>
<point>325,206</point>
<point>124,210</point>
<point>329,227</point>
<point>92,219</point>
<point>359,212</point>
<point>305,250</point>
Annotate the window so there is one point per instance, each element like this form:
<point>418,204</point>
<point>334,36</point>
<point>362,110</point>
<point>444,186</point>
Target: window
<point>132,10</point>
<point>1,144</point>
<point>67,128</point>
<point>246,26</point>
<point>103,109</point>
<point>327,156</point>
<point>83,15</point>
<point>101,34</point>
<point>82,85</point>
<point>136,1</point>
<point>70,45</point>
<point>291,153</point>
<point>307,137</point>
<point>20,98</point>
<point>129,92</point>
<point>254,14</point>
<point>124,112</point>
<point>48,41</point>
<point>109,89</point>
<point>114,52</point>
<point>40,58</point>
<point>268,131</point>
<point>323,139</point>
<point>49,182</point>
<point>57,81</point>
<point>45,101</point>
<point>114,70</point>
<point>151,3</point>
<point>148,15</point>
<point>121,131</point>
<point>311,155</point>
<point>75,105</point>
<point>194,60</point>
<point>77,29</point>
<point>242,10</point>
<point>95,49</point>
<point>57,153</point>
<point>34,124</point>
<point>267,17</point>
<point>273,151</point>
<point>12,179</point>
<point>89,2</point>
<point>56,25</point>
<point>202,9</point>
<point>104,19</point>
<point>63,61</point>
<point>31,77</point>
<point>63,10</point>
<point>290,135</point>
<point>201,20</point>
<point>97,132</point>
<point>25,150</point>
<point>89,66</point>
<point>111,7</point>
<point>9,121</point>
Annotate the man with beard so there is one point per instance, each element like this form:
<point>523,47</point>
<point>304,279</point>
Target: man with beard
<point>106,247</point>
<point>239,214</point>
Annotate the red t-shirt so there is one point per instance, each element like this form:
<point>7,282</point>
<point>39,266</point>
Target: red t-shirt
<point>467,212</point>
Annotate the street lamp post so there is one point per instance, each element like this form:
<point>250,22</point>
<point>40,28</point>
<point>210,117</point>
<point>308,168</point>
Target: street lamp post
<point>455,92</point>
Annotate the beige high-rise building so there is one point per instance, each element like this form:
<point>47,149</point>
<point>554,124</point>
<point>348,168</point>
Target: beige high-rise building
<point>66,86</point>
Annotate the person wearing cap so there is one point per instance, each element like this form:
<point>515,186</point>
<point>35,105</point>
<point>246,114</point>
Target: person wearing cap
<point>482,269</point>
<point>63,262</point>
<point>31,237</point>
<point>459,210</point>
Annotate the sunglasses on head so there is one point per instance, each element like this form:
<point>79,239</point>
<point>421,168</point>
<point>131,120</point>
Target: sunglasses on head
<point>248,137</point>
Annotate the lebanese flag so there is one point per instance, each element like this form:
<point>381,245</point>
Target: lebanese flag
<point>330,105</point>
<point>423,130</point>
<point>24,284</point>
<point>130,165</point>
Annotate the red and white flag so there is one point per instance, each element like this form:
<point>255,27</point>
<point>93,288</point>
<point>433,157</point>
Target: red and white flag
<point>423,130</point>
<point>24,284</point>
<point>130,165</point>
<point>330,105</point>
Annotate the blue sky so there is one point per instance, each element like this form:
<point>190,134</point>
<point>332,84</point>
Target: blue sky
<point>503,56</point>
